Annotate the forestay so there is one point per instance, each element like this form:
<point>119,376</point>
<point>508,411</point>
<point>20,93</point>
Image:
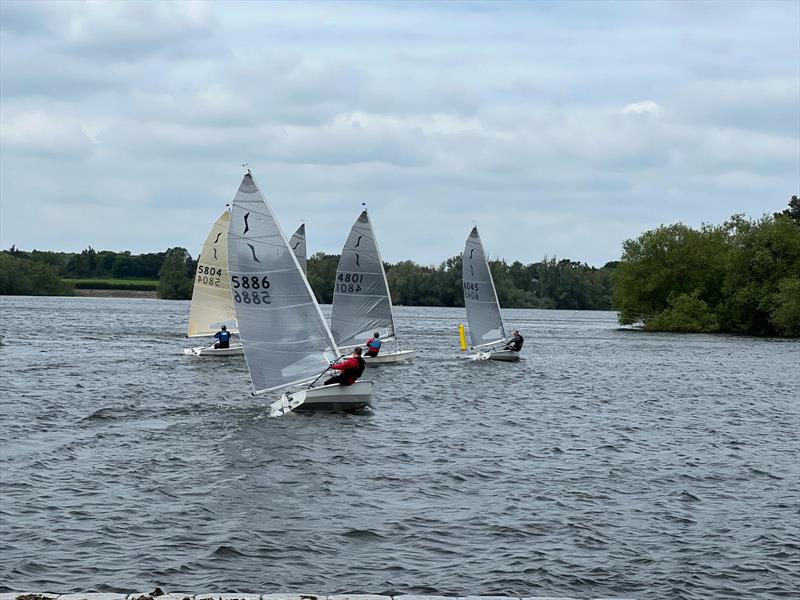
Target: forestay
<point>361,300</point>
<point>480,297</point>
<point>286,340</point>
<point>298,244</point>
<point>212,305</point>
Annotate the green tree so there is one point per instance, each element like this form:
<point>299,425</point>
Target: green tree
<point>739,277</point>
<point>322,274</point>
<point>668,262</point>
<point>785,313</point>
<point>174,280</point>
<point>793,212</point>
<point>761,255</point>
<point>19,276</point>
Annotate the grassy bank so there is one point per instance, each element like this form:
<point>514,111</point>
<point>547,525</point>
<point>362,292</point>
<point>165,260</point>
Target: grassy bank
<point>147,285</point>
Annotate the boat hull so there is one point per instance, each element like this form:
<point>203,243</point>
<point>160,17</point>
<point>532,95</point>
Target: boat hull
<point>334,398</point>
<point>390,358</point>
<point>504,355</point>
<point>232,350</point>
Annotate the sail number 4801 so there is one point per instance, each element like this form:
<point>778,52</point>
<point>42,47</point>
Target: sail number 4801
<point>349,283</point>
<point>250,289</point>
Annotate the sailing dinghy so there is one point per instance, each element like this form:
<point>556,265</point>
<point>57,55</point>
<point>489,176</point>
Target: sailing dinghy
<point>362,304</point>
<point>287,343</point>
<point>212,305</point>
<point>486,330</point>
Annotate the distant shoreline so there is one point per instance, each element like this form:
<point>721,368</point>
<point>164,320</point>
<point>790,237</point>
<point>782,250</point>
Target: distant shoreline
<point>116,293</point>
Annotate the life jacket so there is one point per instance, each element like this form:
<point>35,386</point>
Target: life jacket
<point>353,374</point>
<point>374,345</point>
<point>224,336</point>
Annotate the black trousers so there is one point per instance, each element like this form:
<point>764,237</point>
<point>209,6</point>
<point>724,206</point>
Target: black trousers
<point>222,345</point>
<point>337,379</point>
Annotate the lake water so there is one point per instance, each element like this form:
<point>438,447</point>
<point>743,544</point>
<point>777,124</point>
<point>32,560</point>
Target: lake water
<point>607,462</point>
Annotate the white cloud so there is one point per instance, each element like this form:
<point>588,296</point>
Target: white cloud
<point>643,107</point>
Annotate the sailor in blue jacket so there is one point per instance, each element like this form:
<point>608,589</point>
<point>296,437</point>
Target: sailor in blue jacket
<point>224,338</point>
<point>374,345</point>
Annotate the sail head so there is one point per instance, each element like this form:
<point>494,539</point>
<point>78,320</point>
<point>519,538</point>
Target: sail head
<point>480,297</point>
<point>298,245</point>
<point>286,340</point>
<point>362,303</point>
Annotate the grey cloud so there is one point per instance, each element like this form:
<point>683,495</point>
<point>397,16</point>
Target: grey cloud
<point>434,114</point>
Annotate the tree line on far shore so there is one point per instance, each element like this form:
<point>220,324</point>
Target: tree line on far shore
<point>47,273</point>
<point>550,283</point>
<point>740,277</point>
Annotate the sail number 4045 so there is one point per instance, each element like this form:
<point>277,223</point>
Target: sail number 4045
<point>349,283</point>
<point>471,290</point>
<point>250,289</point>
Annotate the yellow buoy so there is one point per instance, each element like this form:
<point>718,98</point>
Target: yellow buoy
<point>462,333</point>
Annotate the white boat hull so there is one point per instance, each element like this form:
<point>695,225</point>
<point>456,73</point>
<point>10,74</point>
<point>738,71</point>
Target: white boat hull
<point>232,350</point>
<point>331,398</point>
<point>390,358</point>
<point>504,355</point>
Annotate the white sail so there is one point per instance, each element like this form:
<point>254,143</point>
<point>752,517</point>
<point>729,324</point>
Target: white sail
<point>298,244</point>
<point>480,298</point>
<point>361,300</point>
<point>286,340</point>
<point>212,305</point>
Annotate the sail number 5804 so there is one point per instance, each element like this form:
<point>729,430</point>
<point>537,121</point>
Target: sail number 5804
<point>250,289</point>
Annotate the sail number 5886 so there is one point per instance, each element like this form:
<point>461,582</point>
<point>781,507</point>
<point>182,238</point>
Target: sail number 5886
<point>250,289</point>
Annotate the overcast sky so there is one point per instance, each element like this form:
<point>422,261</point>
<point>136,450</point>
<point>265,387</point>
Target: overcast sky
<point>558,128</point>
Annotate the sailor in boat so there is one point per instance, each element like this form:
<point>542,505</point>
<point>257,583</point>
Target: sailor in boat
<point>223,337</point>
<point>515,343</point>
<point>374,345</point>
<point>351,369</point>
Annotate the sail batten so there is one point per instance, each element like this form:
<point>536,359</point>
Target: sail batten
<point>285,337</point>
<point>212,304</point>
<point>361,300</point>
<point>480,297</point>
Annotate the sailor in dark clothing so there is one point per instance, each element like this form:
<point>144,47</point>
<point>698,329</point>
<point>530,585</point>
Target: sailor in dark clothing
<point>515,343</point>
<point>224,338</point>
<point>351,369</point>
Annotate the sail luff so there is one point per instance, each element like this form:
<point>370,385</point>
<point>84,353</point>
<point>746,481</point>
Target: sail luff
<point>393,328</point>
<point>503,335</point>
<point>212,304</point>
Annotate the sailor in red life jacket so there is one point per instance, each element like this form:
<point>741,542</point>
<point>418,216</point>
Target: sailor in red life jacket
<point>374,345</point>
<point>351,369</point>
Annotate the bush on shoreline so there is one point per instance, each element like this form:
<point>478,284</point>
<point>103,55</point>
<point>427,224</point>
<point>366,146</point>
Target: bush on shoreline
<point>739,277</point>
<point>27,278</point>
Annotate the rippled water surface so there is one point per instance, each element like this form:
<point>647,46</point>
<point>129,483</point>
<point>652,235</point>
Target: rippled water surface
<point>607,462</point>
